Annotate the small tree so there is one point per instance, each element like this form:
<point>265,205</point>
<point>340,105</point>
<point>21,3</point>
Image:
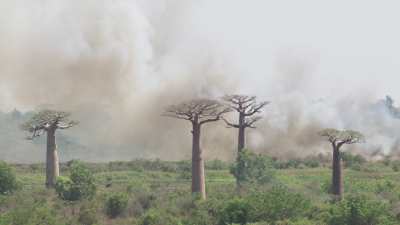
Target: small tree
<point>198,112</point>
<point>338,138</point>
<point>49,121</point>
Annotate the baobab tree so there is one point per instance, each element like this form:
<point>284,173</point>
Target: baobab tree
<point>247,107</point>
<point>49,121</point>
<point>198,112</point>
<point>338,138</point>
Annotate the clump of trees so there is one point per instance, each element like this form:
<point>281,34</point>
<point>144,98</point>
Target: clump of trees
<point>48,122</point>
<point>338,138</point>
<point>202,111</point>
<point>198,112</point>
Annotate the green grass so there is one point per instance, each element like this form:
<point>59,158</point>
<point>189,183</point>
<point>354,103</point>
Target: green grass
<point>172,190</point>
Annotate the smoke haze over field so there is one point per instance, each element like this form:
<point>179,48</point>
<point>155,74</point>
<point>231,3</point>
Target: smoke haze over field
<point>117,64</point>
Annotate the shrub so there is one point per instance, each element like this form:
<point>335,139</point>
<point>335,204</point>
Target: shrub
<point>235,211</point>
<point>30,213</point>
<point>8,180</point>
<point>395,165</point>
<point>302,221</point>
<point>251,167</point>
<point>87,215</point>
<point>278,204</point>
<point>360,210</point>
<point>63,188</point>
<point>350,159</point>
<point>78,186</point>
<point>216,164</point>
<point>312,163</point>
<point>116,204</point>
<point>184,169</point>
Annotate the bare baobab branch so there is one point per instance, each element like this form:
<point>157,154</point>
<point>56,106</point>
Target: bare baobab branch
<point>247,107</point>
<point>229,124</point>
<point>250,121</point>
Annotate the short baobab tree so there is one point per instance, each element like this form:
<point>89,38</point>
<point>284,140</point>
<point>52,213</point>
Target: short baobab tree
<point>338,138</point>
<point>247,107</point>
<point>198,112</point>
<point>49,121</point>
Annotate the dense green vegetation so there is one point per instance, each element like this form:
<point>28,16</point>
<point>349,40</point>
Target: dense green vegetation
<point>154,192</point>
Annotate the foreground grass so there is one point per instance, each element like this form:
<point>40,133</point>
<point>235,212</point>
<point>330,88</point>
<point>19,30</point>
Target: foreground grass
<point>168,190</point>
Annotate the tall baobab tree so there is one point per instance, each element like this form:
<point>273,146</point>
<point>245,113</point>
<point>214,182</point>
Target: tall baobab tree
<point>198,112</point>
<point>247,107</point>
<point>49,121</point>
<point>338,138</point>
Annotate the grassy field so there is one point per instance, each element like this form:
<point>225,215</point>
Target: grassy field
<point>162,190</point>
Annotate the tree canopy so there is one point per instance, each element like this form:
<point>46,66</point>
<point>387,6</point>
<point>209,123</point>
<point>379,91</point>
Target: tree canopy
<point>202,110</point>
<point>47,119</point>
<point>247,106</point>
<point>341,137</point>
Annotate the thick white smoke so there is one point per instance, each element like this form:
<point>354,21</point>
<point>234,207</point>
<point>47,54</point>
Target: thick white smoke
<point>117,64</point>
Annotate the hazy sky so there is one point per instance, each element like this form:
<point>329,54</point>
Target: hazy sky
<point>122,61</point>
<point>342,47</point>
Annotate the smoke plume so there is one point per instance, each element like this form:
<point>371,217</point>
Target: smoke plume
<point>117,64</point>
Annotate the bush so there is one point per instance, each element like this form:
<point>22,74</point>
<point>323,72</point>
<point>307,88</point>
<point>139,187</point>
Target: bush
<point>30,213</point>
<point>8,180</point>
<point>302,221</point>
<point>360,210</point>
<point>116,204</point>
<point>87,215</point>
<point>351,160</point>
<point>251,167</point>
<point>311,163</point>
<point>78,186</point>
<point>278,204</point>
<point>235,211</point>
<point>216,164</point>
<point>63,188</point>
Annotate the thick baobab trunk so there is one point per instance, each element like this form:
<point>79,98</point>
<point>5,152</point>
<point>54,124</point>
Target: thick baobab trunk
<point>198,178</point>
<point>52,165</point>
<point>337,181</point>
<point>241,137</point>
